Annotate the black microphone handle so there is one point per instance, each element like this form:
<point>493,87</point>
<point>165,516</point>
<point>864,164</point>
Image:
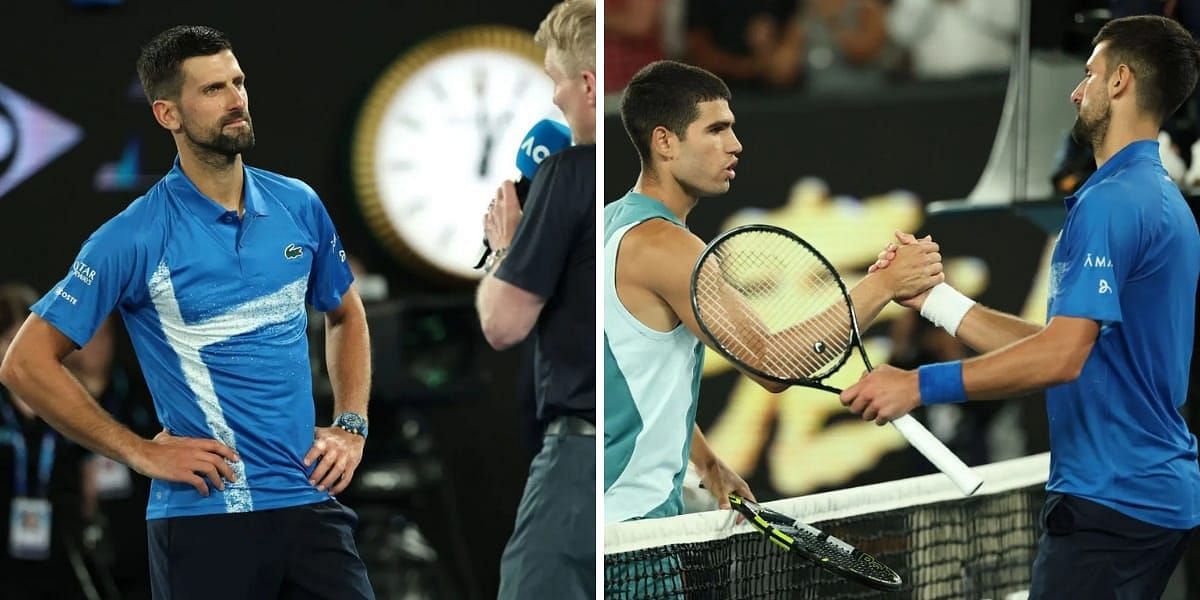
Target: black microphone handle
<point>522,184</point>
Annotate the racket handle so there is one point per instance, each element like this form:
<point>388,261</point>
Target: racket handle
<point>933,449</point>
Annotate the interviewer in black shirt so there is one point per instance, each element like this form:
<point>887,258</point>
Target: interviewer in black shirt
<point>542,278</point>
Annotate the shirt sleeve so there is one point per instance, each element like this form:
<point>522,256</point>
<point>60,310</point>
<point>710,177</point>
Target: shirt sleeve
<point>330,277</point>
<point>537,256</point>
<point>1101,248</point>
<point>98,281</point>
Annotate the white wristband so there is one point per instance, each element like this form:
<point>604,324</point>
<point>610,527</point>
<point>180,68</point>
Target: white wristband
<point>946,307</point>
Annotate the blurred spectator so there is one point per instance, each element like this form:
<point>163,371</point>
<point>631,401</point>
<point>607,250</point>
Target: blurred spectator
<point>748,43</point>
<point>633,38</point>
<point>1179,142</point>
<point>41,490</point>
<point>846,43</point>
<point>947,39</point>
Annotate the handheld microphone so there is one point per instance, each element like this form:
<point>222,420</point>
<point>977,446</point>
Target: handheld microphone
<point>546,137</point>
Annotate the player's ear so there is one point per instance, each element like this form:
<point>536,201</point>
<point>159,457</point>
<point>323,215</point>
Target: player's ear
<point>664,143</point>
<point>166,113</point>
<point>1121,80</point>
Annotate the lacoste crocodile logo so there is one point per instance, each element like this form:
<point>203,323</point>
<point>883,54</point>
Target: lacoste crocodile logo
<point>293,251</point>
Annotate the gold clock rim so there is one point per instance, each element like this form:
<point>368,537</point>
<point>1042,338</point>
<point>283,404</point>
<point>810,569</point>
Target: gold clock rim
<point>491,37</point>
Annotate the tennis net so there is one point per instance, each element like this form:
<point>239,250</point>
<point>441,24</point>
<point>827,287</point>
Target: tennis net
<point>942,544</point>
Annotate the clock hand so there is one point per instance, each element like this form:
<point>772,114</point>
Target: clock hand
<point>486,155</point>
<point>489,137</point>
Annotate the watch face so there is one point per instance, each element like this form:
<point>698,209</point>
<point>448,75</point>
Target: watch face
<point>440,133</point>
<point>351,420</point>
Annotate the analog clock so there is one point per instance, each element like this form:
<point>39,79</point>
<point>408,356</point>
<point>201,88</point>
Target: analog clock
<point>438,133</point>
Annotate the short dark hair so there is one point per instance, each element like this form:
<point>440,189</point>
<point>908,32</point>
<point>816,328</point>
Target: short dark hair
<point>666,93</point>
<point>1162,55</point>
<point>158,64</point>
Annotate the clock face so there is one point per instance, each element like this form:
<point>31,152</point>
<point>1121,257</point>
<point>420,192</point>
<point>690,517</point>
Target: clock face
<point>440,133</point>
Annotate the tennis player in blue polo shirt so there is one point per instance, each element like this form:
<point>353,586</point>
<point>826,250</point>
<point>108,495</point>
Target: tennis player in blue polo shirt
<point>211,270</point>
<point>1124,488</point>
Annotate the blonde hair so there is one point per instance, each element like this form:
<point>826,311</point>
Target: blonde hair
<point>570,28</point>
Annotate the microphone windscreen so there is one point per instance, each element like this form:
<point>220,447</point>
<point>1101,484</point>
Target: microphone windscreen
<point>546,137</point>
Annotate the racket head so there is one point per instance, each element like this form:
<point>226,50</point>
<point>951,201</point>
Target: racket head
<point>759,264</point>
<point>817,547</point>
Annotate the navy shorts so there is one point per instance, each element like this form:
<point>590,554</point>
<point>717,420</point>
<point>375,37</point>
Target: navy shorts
<point>299,552</point>
<point>1088,550</point>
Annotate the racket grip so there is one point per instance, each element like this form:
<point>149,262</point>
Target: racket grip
<point>933,449</point>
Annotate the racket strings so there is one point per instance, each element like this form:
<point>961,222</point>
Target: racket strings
<point>777,356</point>
<point>743,332</point>
<point>773,304</point>
<point>824,326</point>
<point>763,300</point>
<point>732,332</point>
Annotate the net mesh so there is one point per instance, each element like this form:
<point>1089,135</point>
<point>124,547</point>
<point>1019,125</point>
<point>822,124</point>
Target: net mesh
<point>747,290</point>
<point>942,544</point>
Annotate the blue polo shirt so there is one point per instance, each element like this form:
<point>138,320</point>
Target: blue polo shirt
<point>1129,258</point>
<point>215,307</point>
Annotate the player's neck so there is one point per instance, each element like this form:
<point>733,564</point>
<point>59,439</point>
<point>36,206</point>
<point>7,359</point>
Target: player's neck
<point>1121,135</point>
<point>669,192</point>
<point>217,177</point>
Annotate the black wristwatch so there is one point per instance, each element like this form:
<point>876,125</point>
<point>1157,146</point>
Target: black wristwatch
<point>353,423</point>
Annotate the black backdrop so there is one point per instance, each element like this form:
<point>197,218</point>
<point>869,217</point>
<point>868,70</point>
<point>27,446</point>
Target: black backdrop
<point>309,66</point>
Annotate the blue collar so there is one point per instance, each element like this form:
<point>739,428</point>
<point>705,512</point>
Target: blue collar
<point>205,207</point>
<point>1130,153</point>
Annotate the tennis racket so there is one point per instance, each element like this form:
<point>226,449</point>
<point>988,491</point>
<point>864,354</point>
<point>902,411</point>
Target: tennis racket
<point>775,307</point>
<point>818,547</point>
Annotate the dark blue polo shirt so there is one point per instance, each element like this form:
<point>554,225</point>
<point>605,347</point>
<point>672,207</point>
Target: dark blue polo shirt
<point>215,307</point>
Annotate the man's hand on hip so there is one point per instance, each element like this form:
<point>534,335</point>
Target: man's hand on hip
<point>337,453</point>
<point>195,461</point>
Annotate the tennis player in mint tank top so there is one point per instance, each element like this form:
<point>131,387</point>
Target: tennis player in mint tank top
<point>1124,488</point>
<point>680,122</point>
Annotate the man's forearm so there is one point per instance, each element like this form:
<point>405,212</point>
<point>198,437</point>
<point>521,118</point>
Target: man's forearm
<point>985,330</point>
<point>1031,364</point>
<point>348,354</point>
<point>60,400</point>
<point>701,453</point>
<point>869,298</point>
<point>755,337</point>
<point>486,305</point>
<point>507,313</point>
